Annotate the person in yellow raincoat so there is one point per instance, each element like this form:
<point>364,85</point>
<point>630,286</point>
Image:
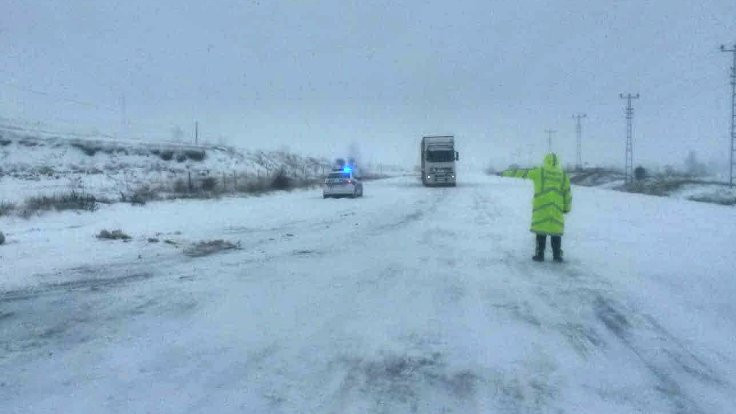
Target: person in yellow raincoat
<point>552,200</point>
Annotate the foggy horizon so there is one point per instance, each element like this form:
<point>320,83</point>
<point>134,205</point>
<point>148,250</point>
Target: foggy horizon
<point>320,77</point>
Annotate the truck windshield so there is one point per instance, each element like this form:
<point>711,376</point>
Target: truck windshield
<point>440,156</point>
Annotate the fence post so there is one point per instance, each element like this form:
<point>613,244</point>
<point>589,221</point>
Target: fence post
<point>189,173</point>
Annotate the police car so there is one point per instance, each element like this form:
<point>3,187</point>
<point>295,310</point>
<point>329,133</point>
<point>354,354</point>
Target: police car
<point>342,183</point>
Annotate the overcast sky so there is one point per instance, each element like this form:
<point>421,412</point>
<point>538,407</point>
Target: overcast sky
<point>316,76</point>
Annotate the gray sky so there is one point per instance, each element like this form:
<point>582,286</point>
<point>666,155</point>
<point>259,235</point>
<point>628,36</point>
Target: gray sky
<point>317,76</point>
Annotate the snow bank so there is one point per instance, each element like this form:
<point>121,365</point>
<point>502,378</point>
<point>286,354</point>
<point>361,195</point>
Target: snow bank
<point>32,165</point>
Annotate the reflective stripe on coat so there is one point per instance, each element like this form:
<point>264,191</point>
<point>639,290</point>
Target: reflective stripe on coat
<point>552,195</point>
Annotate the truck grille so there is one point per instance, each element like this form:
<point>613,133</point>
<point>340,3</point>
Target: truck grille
<point>442,174</point>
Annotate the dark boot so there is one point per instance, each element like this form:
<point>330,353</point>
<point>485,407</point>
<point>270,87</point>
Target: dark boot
<point>557,249</point>
<point>541,244</point>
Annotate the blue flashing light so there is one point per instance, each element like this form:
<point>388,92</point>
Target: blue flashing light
<point>347,169</point>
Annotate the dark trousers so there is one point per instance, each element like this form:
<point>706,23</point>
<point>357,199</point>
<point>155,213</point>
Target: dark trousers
<point>556,245</point>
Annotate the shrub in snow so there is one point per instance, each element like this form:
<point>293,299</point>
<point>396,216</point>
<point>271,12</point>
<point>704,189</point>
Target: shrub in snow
<point>6,208</point>
<point>209,183</point>
<point>206,248</point>
<point>281,181</point>
<point>166,155</point>
<point>113,235</point>
<point>253,185</point>
<point>723,198</point>
<point>29,143</point>
<point>195,155</point>
<point>2,238</point>
<point>86,147</point>
<point>69,201</point>
<point>640,173</point>
<point>142,195</point>
<point>181,186</point>
<point>45,170</point>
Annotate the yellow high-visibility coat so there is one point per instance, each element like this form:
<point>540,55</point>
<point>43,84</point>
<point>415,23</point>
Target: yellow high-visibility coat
<point>520,173</point>
<point>552,196</point>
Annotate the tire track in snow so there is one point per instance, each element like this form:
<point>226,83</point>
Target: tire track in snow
<point>419,377</point>
<point>580,306</point>
<point>95,283</point>
<point>568,288</point>
<point>417,214</point>
<point>663,356</point>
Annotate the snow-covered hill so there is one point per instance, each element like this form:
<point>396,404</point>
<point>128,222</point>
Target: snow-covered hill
<point>411,300</point>
<point>34,162</point>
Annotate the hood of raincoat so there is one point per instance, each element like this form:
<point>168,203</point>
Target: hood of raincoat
<point>551,160</point>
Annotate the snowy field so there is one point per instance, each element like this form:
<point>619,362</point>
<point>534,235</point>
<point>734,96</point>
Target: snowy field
<point>33,163</point>
<point>710,189</point>
<point>411,299</point>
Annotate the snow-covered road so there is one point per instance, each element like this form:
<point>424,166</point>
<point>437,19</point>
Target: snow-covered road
<point>411,299</point>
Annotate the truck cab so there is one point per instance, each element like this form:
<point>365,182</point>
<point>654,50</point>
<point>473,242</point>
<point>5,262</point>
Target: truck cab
<point>438,157</point>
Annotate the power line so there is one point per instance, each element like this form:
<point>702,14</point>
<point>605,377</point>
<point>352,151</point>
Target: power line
<point>549,138</point>
<point>578,134</point>
<point>733,112</point>
<point>629,166</point>
<point>55,96</point>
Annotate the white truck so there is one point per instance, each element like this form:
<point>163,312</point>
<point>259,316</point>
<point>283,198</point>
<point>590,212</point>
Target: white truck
<point>438,160</point>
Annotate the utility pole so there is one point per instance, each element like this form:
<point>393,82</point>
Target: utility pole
<point>549,138</point>
<point>196,132</point>
<point>733,112</point>
<point>629,167</point>
<point>579,134</point>
<point>123,117</point>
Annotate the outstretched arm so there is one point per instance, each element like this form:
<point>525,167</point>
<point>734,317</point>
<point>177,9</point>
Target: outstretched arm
<point>516,173</point>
